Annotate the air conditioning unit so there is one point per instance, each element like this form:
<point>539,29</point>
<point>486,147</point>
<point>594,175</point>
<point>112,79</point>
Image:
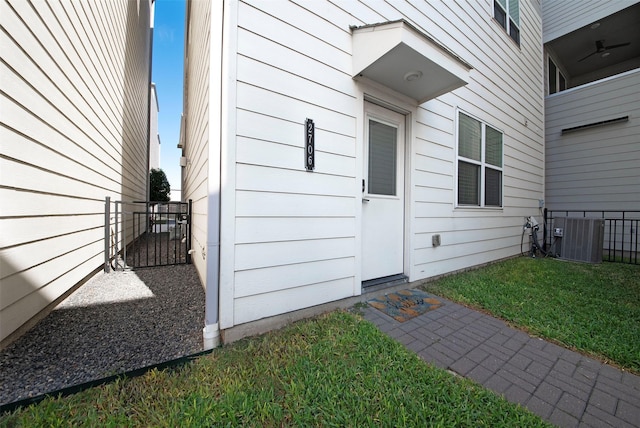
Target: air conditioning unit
<point>581,239</point>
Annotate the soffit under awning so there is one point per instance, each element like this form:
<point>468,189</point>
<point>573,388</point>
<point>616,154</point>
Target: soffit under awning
<point>399,56</point>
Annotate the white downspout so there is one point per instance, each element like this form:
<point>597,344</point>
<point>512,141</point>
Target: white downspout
<point>211,331</point>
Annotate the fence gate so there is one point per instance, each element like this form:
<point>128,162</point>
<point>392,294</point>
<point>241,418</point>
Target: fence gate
<point>146,234</point>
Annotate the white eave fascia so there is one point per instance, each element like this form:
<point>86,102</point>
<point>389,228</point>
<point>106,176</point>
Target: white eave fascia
<point>399,56</point>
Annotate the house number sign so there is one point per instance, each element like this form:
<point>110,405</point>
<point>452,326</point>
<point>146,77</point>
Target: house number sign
<point>309,144</point>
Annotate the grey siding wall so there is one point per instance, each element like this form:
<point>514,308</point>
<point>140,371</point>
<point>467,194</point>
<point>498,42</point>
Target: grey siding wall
<point>594,169</point>
<point>74,82</point>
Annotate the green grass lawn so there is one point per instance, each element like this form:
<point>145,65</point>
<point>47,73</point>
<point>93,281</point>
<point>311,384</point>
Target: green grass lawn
<point>336,370</point>
<point>339,370</point>
<point>594,308</point>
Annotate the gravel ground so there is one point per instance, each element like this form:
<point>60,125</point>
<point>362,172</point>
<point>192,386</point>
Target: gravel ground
<point>114,323</point>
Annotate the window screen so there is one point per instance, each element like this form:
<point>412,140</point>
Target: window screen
<point>469,137</point>
<point>514,12</point>
<point>499,7</point>
<point>493,149</point>
<point>468,183</point>
<point>492,187</point>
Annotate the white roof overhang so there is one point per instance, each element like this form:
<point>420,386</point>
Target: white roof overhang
<point>399,56</point>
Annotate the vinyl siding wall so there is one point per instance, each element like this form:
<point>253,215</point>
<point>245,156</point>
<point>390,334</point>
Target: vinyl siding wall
<point>196,111</point>
<point>594,169</point>
<point>74,82</point>
<point>295,231</point>
<point>294,234</point>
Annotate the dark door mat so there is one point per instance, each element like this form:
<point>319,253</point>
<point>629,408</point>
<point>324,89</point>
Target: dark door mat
<point>405,304</point>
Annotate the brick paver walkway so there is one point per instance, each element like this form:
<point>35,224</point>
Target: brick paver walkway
<point>563,387</point>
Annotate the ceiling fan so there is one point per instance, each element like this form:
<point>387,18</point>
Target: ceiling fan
<point>601,48</point>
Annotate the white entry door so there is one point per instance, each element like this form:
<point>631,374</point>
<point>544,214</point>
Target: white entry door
<point>383,193</point>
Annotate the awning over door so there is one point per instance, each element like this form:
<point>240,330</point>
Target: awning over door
<point>399,56</point>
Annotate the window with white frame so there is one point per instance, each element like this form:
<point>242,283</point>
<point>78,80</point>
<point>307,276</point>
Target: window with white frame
<point>557,81</point>
<point>479,163</point>
<point>507,13</point>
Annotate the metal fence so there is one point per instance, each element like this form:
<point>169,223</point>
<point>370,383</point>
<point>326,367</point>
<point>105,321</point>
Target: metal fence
<point>146,234</point>
<point>621,233</point>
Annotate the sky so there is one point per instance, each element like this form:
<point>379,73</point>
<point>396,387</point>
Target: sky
<point>167,74</point>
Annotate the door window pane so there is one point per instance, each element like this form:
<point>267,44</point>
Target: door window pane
<point>382,158</point>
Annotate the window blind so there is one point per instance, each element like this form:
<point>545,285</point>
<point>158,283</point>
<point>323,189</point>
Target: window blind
<point>469,137</point>
<point>382,158</point>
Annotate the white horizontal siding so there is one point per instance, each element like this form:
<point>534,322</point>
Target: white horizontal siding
<point>292,86</point>
<point>68,269</point>
<point>266,179</point>
<point>265,305</point>
<point>268,128</point>
<point>264,204</point>
<point>310,25</point>
<point>267,280</point>
<point>445,259</point>
<point>51,261</point>
<point>74,81</point>
<point>287,156</point>
<point>18,174</point>
<point>505,93</point>
<point>296,232</point>
<point>291,109</point>
<point>257,255</point>
<point>32,230</point>
<point>597,168</point>
<point>274,229</point>
<point>196,111</point>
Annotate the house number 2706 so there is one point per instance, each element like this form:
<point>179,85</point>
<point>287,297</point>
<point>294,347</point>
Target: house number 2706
<point>309,145</point>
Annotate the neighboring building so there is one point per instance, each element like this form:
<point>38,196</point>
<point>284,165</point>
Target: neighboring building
<point>154,137</point>
<point>74,94</point>
<point>592,108</point>
<point>428,129</point>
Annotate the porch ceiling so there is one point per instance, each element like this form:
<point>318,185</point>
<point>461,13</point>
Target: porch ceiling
<point>399,56</point>
<point>576,51</point>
